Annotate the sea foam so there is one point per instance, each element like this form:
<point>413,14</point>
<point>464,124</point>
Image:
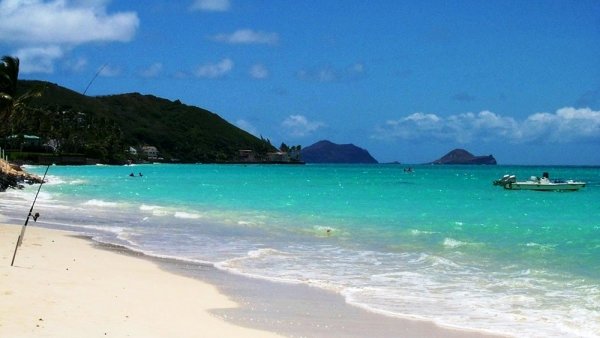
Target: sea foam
<point>187,215</point>
<point>100,203</point>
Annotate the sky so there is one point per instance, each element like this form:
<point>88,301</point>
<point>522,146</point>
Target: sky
<point>407,80</point>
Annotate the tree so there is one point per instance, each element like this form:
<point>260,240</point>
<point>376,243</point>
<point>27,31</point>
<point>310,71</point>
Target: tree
<point>13,109</point>
<point>295,152</point>
<point>9,74</point>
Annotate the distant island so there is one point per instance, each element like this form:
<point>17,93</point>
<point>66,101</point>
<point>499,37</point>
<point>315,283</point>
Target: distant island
<point>329,152</point>
<point>461,156</point>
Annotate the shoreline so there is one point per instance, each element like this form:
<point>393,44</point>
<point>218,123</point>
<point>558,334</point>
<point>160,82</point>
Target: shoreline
<point>308,311</point>
<point>61,286</point>
<point>288,309</point>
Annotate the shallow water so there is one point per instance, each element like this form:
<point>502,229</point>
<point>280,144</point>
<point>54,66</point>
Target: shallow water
<point>441,243</point>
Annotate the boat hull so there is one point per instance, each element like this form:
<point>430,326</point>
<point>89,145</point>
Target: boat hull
<point>574,186</point>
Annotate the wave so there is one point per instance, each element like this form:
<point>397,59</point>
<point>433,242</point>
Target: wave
<point>430,288</point>
<point>543,247</point>
<point>100,203</point>
<point>245,223</point>
<point>417,232</point>
<point>233,266</point>
<point>509,304</point>
<point>155,210</point>
<point>453,243</point>
<point>145,207</point>
<point>187,215</point>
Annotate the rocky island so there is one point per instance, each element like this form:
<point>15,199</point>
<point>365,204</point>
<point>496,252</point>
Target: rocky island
<point>461,156</point>
<point>329,152</point>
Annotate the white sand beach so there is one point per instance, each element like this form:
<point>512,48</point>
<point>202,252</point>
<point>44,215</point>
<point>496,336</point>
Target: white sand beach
<point>61,286</point>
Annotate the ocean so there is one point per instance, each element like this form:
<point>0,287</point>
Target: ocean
<point>441,243</point>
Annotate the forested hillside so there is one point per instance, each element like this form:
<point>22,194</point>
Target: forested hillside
<point>104,127</point>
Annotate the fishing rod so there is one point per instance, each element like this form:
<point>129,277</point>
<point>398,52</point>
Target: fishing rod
<point>35,217</point>
<point>94,78</point>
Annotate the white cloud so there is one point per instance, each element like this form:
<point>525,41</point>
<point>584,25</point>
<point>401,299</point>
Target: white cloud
<point>152,71</point>
<point>247,126</point>
<point>299,125</point>
<point>215,70</point>
<point>565,125</point>
<point>211,5</point>
<point>259,71</point>
<point>59,22</point>
<point>420,123</point>
<point>248,36</point>
<point>330,74</point>
<point>38,59</point>
<point>44,31</point>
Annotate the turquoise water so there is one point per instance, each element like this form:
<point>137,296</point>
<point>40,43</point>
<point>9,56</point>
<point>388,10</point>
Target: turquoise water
<point>441,243</point>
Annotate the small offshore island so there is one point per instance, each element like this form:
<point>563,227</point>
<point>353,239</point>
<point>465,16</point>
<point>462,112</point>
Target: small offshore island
<point>328,152</point>
<point>461,156</point>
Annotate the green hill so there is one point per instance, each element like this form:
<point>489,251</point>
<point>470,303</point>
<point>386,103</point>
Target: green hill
<point>104,126</point>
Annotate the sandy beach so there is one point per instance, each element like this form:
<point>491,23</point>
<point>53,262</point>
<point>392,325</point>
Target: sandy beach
<point>63,285</point>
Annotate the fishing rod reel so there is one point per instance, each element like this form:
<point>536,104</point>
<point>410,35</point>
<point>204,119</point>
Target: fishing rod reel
<point>35,216</point>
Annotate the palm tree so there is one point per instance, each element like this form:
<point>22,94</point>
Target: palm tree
<point>9,75</point>
<point>12,107</point>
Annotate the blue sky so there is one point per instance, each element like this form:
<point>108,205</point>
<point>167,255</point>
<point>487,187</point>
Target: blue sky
<point>407,80</point>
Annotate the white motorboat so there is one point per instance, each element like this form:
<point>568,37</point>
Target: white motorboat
<point>543,183</point>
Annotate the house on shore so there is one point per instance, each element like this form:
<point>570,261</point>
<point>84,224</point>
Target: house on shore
<point>21,141</point>
<point>132,151</point>
<point>247,156</point>
<point>279,156</point>
<point>151,152</point>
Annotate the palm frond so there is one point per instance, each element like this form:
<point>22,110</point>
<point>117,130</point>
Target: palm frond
<point>9,75</point>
